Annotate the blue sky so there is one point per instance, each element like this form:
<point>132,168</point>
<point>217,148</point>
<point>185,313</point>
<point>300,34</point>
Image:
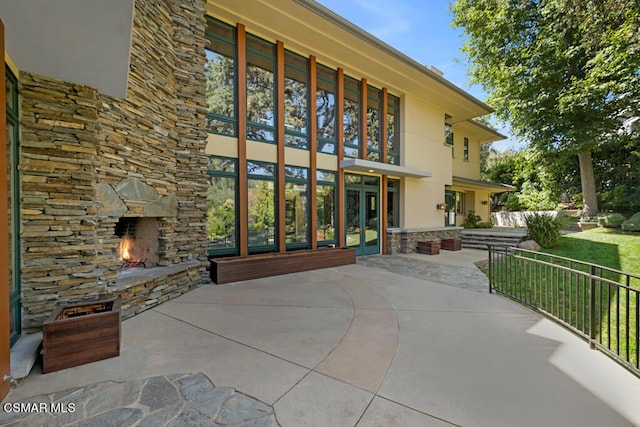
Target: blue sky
<point>421,30</point>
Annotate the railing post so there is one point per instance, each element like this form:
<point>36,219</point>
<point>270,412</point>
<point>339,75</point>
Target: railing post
<point>592,307</point>
<point>490,268</point>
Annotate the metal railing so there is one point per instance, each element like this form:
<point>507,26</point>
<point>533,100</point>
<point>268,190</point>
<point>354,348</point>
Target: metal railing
<point>598,303</point>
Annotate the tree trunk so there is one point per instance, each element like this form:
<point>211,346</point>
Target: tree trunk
<point>588,181</point>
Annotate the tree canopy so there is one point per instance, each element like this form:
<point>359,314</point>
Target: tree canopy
<point>561,72</point>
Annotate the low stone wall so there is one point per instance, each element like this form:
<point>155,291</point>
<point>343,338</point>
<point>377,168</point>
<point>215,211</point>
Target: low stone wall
<point>518,218</point>
<point>400,241</point>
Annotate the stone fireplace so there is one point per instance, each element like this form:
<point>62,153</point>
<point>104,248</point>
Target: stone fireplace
<point>138,246</point>
<point>95,167</point>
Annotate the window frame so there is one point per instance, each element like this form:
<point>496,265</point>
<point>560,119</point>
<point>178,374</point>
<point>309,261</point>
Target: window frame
<point>306,181</point>
<point>272,177</point>
<point>272,129</point>
<point>465,154</point>
<point>288,67</point>
<point>213,37</point>
<point>320,181</point>
<point>349,145</point>
<point>390,209</point>
<point>322,140</point>
<point>227,251</point>
<point>393,140</point>
<point>374,95</point>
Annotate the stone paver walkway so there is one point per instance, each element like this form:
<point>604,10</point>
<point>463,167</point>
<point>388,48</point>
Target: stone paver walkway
<point>171,400</point>
<point>418,267</point>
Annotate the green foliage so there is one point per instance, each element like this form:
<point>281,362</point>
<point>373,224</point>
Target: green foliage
<point>560,72</point>
<point>475,221</point>
<point>544,229</point>
<point>512,202</point>
<point>535,199</point>
<point>612,220</point>
<point>622,198</point>
<point>632,224</point>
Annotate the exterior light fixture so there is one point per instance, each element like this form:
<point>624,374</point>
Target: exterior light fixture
<point>371,171</point>
<point>441,206</point>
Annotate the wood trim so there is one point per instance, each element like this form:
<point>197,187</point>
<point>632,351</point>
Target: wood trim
<point>313,156</point>
<point>383,215</point>
<point>5,350</point>
<point>282,242</point>
<point>340,232</point>
<point>242,190</point>
<point>363,119</point>
<point>385,180</point>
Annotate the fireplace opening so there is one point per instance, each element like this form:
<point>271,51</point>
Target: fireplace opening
<point>138,247</point>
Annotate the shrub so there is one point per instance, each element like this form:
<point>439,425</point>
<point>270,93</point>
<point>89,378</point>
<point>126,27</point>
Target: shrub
<point>632,224</point>
<point>475,221</point>
<point>544,229</point>
<point>612,220</point>
<point>512,203</point>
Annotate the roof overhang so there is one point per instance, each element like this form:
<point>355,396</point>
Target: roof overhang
<point>359,165</point>
<point>79,41</point>
<point>475,184</point>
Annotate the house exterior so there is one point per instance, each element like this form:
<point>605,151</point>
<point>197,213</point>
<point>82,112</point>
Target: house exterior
<point>214,129</point>
<point>468,192</point>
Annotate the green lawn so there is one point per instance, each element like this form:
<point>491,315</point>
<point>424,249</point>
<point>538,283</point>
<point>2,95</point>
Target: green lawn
<point>565,295</point>
<point>602,246</point>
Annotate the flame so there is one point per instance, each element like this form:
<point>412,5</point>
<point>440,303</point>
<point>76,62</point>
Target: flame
<point>124,247</point>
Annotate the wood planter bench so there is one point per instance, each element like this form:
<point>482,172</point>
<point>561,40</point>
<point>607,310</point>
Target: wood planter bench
<point>429,248</point>
<point>82,333</point>
<point>235,269</point>
<point>451,244</point>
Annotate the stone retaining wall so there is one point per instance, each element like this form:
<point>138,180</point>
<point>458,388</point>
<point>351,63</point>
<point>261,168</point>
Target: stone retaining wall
<point>82,153</point>
<point>406,241</point>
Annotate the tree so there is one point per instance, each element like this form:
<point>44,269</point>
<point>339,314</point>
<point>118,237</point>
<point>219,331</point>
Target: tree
<point>561,72</point>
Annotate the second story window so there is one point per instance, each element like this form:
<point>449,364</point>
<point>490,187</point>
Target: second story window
<point>296,95</point>
<point>448,134</point>
<point>220,72</point>
<point>393,130</point>
<point>374,124</point>
<point>351,117</point>
<point>261,97</point>
<point>466,149</point>
<point>326,109</point>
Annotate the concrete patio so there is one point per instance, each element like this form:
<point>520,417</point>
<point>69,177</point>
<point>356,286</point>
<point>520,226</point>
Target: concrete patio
<point>371,344</point>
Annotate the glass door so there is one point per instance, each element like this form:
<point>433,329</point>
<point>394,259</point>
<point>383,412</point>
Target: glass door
<point>362,214</point>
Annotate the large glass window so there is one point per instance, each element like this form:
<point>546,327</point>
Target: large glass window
<point>351,117</point>
<point>466,149</point>
<point>221,206</point>
<point>393,203</point>
<point>220,73</point>
<point>261,95</point>
<point>393,130</point>
<point>326,207</point>
<point>262,213</point>
<point>296,207</point>
<point>326,109</point>
<point>448,134</point>
<point>374,124</point>
<point>296,94</point>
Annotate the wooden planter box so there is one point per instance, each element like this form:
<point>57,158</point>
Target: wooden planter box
<point>429,248</point>
<point>235,269</point>
<point>451,244</point>
<point>83,333</point>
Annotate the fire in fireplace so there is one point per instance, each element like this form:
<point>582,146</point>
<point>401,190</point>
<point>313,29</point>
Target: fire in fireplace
<point>138,245</point>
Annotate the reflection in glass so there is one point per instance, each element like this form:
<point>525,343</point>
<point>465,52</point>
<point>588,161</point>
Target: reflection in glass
<point>221,213</point>
<point>326,109</point>
<point>260,90</point>
<point>296,212</point>
<point>393,130</point>
<point>373,123</point>
<point>262,212</point>
<point>325,212</point>
<point>352,223</point>
<point>295,101</point>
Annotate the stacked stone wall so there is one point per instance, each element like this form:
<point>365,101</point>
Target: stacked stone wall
<point>78,147</point>
<point>58,241</point>
<point>406,241</point>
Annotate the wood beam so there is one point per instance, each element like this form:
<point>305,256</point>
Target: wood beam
<point>313,148</point>
<point>340,232</point>
<point>242,190</point>
<point>282,243</point>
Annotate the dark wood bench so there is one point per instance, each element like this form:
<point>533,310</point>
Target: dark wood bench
<point>235,269</point>
<point>429,248</point>
<point>451,244</point>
